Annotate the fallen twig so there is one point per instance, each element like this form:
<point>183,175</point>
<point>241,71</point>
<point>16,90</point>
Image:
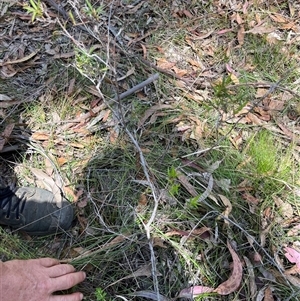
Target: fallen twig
<point>262,85</point>
<point>190,82</point>
<point>139,86</point>
<point>110,102</point>
<point>150,183</point>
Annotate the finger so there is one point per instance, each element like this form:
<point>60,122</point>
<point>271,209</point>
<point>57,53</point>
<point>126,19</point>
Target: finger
<point>47,262</point>
<point>72,297</point>
<point>60,270</point>
<point>67,281</point>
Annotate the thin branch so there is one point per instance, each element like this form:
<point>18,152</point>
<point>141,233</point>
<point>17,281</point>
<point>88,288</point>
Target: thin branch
<point>263,85</point>
<point>145,167</point>
<point>139,86</point>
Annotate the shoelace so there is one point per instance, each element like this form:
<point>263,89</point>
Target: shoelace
<point>7,196</point>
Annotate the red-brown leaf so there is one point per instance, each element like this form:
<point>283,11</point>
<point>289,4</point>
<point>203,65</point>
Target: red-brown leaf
<point>235,279</point>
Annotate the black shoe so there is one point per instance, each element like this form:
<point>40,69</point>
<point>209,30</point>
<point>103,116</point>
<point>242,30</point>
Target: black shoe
<point>34,210</point>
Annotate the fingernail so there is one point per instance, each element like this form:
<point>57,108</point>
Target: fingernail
<point>81,296</point>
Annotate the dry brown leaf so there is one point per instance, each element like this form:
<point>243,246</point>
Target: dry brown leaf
<point>142,203</point>
<point>177,232</point>
<point>187,14</point>
<point>261,29</point>
<point>69,191</point>
<point>80,250</point>
<point>117,240</point>
<point>2,143</point>
<point>40,136</point>
<point>9,103</point>
<point>61,161</point>
<point>8,130</point>
<point>151,111</point>
<point>21,60</point>
<point>276,105</point>
<point>263,234</point>
<point>237,140</point>
<point>268,294</point>
<point>144,50</point>
<point>49,184</point>
<point>49,167</point>
<point>195,63</point>
<point>203,232</point>
<point>128,73</point>
<point>257,258</point>
<point>180,84</point>
<point>292,255</point>
<point>285,208</point>
<point>164,64</point>
<point>145,270</point>
<point>234,281</point>
<point>196,97</point>
<point>294,231</point>
<point>6,134</point>
<point>94,102</point>
<point>182,127</point>
<point>194,291</point>
<point>293,280</point>
<point>294,270</point>
<point>197,134</point>
<point>291,25</point>
<point>273,38</point>
<point>238,19</point>
<point>263,114</point>
<point>251,278</point>
<point>4,97</point>
<point>228,205</point>
<point>278,18</point>
<point>261,92</point>
<point>186,184</point>
<point>201,36</point>
<point>241,35</point>
<point>76,144</point>
<point>158,242</point>
<point>83,202</point>
<point>179,72</point>
<point>234,78</point>
<point>224,31</point>
<point>286,131</point>
<point>114,134</point>
<point>251,200</point>
<point>71,87</point>
<point>254,119</point>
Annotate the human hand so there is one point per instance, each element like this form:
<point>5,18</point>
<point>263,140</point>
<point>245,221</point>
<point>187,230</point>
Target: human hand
<point>37,280</point>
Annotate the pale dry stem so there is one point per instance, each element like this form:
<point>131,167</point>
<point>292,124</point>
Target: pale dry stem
<point>121,120</point>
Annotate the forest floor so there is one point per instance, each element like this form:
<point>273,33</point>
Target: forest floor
<point>173,128</point>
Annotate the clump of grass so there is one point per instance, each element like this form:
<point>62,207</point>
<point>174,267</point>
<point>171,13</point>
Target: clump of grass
<point>264,154</point>
<point>270,164</point>
<point>35,8</point>
<point>11,247</point>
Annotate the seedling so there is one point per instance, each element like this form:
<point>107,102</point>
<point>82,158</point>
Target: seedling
<point>35,8</point>
<point>101,294</point>
<point>91,11</point>
<point>222,93</point>
<point>173,186</point>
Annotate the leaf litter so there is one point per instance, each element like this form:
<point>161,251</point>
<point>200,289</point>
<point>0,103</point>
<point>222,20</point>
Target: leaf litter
<point>196,67</point>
